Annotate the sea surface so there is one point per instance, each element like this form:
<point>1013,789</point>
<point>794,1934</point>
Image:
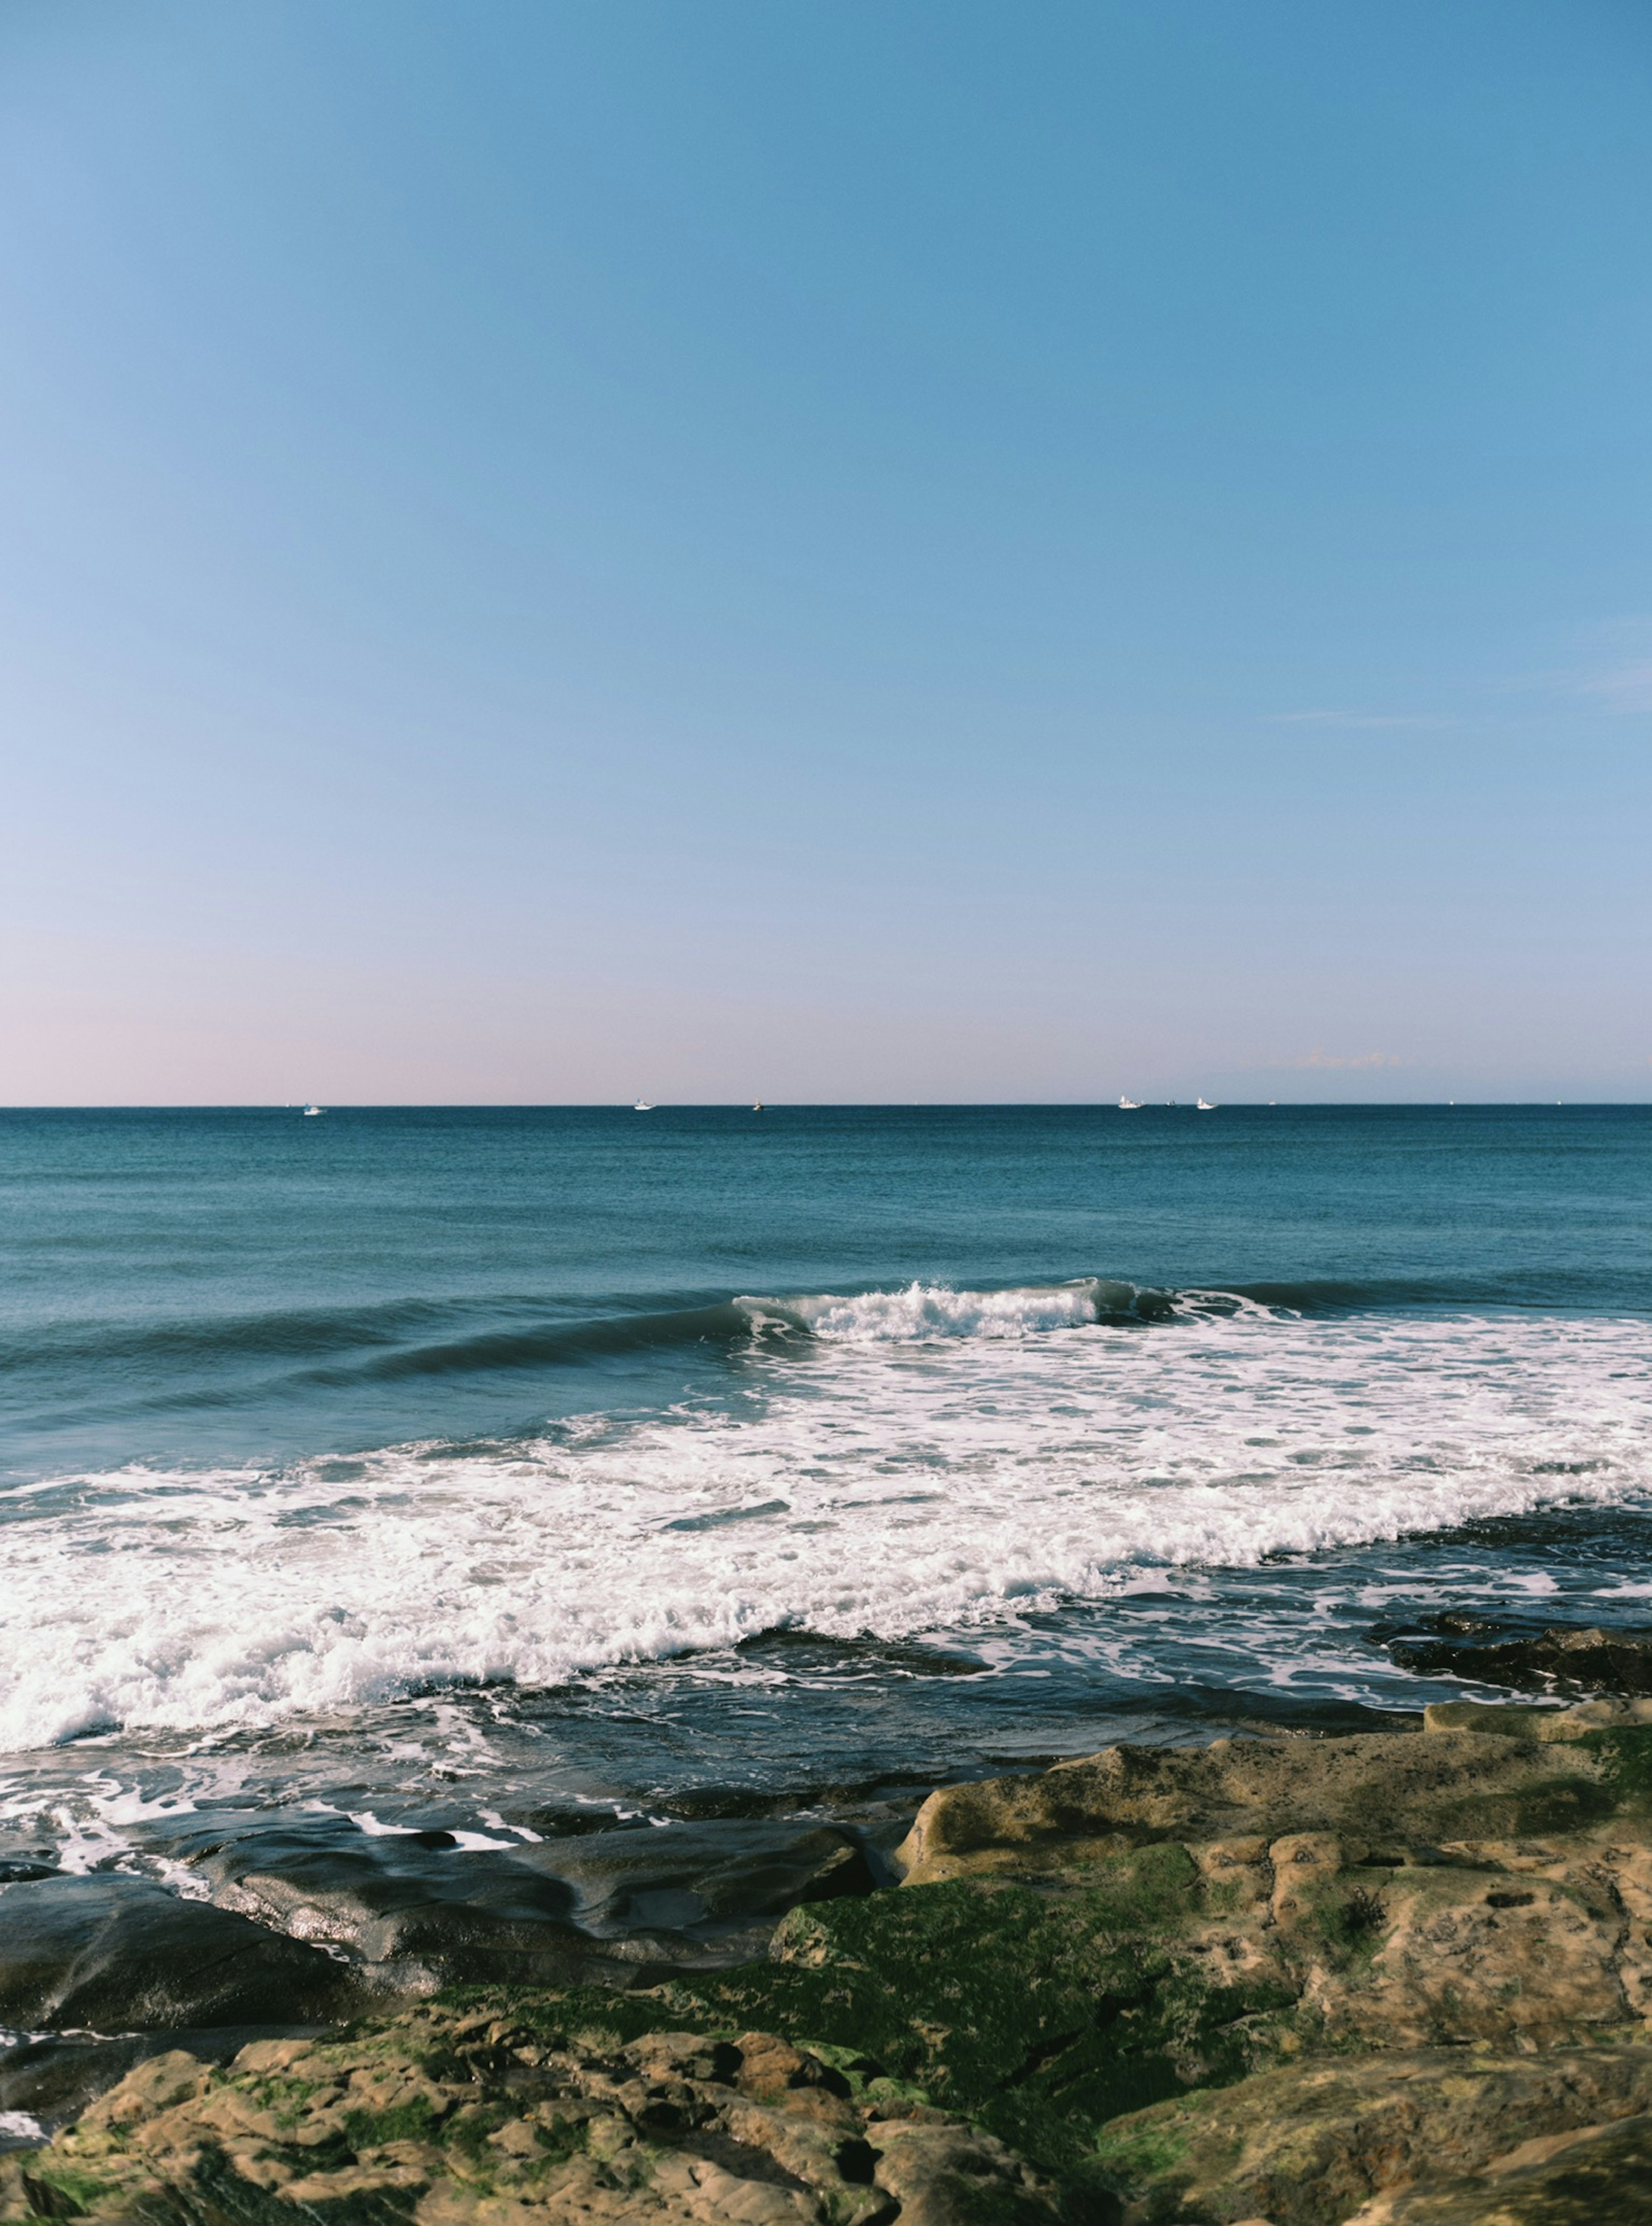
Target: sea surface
<point>476,1469</point>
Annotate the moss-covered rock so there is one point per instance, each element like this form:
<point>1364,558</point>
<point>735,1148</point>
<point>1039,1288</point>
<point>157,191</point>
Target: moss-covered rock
<point>453,2117</point>
<point>1037,2015</point>
<point>1276,1980</point>
<point>1312,2144</point>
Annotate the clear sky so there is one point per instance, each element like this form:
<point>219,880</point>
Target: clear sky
<point>825,549</point>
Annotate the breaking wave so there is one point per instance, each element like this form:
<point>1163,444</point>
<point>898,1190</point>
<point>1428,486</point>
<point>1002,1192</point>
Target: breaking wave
<point>935,1310</point>
<point>888,1465</point>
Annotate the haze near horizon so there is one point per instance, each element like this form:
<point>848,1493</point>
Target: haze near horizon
<point>834,554</point>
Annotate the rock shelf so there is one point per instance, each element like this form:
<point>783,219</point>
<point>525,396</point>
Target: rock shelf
<point>1401,1978</point>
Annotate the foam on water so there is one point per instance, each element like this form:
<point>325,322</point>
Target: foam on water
<point>924,1311</point>
<point>928,1460</point>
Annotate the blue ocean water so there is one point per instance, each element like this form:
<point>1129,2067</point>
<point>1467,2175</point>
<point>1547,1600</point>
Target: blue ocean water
<point>594,1455</point>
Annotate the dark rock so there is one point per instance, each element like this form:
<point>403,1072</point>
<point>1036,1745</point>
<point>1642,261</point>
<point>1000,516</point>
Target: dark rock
<point>603,1907</point>
<point>113,1952</point>
<point>1558,1658</point>
<point>810,1650</point>
<point>414,1916</point>
<point>707,1879</point>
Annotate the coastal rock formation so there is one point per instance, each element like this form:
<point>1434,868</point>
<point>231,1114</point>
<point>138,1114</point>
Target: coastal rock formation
<point>1299,1981</point>
<point>455,2118</point>
<point>1559,1656</point>
<point>1600,2177</point>
<point>597,1906</point>
<point>113,1953</point>
<point>1307,2147</point>
<point>1486,1773</point>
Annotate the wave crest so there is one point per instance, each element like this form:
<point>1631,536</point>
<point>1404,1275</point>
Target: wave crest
<point>925,1311</point>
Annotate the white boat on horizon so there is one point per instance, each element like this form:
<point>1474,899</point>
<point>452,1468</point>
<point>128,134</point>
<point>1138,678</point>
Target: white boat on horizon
<point>1129,1104</point>
<point>758,1105</point>
<point>642,1106</point>
<point>1202,1105</point>
<point>310,1111</point>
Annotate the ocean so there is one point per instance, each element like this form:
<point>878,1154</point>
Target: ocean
<point>494,1473</point>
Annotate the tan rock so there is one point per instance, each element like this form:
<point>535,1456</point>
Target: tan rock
<point>1327,2142</point>
<point>1600,2176</point>
<point>675,2128</point>
<point>1302,1863</point>
<point>1376,1790</point>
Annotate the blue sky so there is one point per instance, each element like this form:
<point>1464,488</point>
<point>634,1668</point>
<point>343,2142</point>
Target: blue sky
<point>839,551</point>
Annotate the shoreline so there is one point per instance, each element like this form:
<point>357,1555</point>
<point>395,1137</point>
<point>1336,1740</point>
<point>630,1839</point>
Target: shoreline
<point>1181,1981</point>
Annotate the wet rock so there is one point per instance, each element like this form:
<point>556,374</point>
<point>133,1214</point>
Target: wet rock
<point>1592,1660</point>
<point>113,1953</point>
<point>1321,2145</point>
<point>417,1914</point>
<point>473,2117</point>
<point>704,1878</point>
<point>414,1916</point>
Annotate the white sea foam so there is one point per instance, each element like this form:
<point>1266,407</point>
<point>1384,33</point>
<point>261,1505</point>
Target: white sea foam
<point>923,1311</point>
<point>870,1483</point>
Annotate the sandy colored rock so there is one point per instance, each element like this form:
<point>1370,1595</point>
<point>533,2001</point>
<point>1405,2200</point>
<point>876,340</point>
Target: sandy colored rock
<point>1318,2145</point>
<point>1600,2177</point>
<point>1374,1792</point>
<point>457,2121</point>
<point>1550,1726</point>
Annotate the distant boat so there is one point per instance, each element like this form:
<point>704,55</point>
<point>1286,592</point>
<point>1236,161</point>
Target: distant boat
<point>757,1105</point>
<point>1129,1104</point>
<point>642,1106</point>
<point>1202,1105</point>
<point>310,1111</point>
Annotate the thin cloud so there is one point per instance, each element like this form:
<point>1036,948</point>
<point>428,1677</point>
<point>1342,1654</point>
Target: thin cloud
<point>1617,675</point>
<point>1622,687</point>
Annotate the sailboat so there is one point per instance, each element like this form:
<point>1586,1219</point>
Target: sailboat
<point>757,1105</point>
<point>1204,1105</point>
<point>642,1106</point>
<point>310,1111</point>
<point>1129,1104</point>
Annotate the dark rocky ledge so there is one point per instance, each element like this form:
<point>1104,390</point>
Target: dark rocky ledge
<point>1395,1979</point>
<point>1559,1658</point>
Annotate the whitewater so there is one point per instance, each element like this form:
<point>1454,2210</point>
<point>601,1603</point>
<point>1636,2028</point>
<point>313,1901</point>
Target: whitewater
<point>917,1463</point>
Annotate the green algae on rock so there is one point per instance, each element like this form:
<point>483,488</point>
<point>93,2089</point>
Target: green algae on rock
<point>1311,2145</point>
<point>457,2118</point>
<point>1287,1980</point>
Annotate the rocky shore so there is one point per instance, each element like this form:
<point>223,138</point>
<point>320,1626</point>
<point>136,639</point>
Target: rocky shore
<point>1400,1978</point>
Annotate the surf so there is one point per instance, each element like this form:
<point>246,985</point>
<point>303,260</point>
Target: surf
<point>909,1463</point>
